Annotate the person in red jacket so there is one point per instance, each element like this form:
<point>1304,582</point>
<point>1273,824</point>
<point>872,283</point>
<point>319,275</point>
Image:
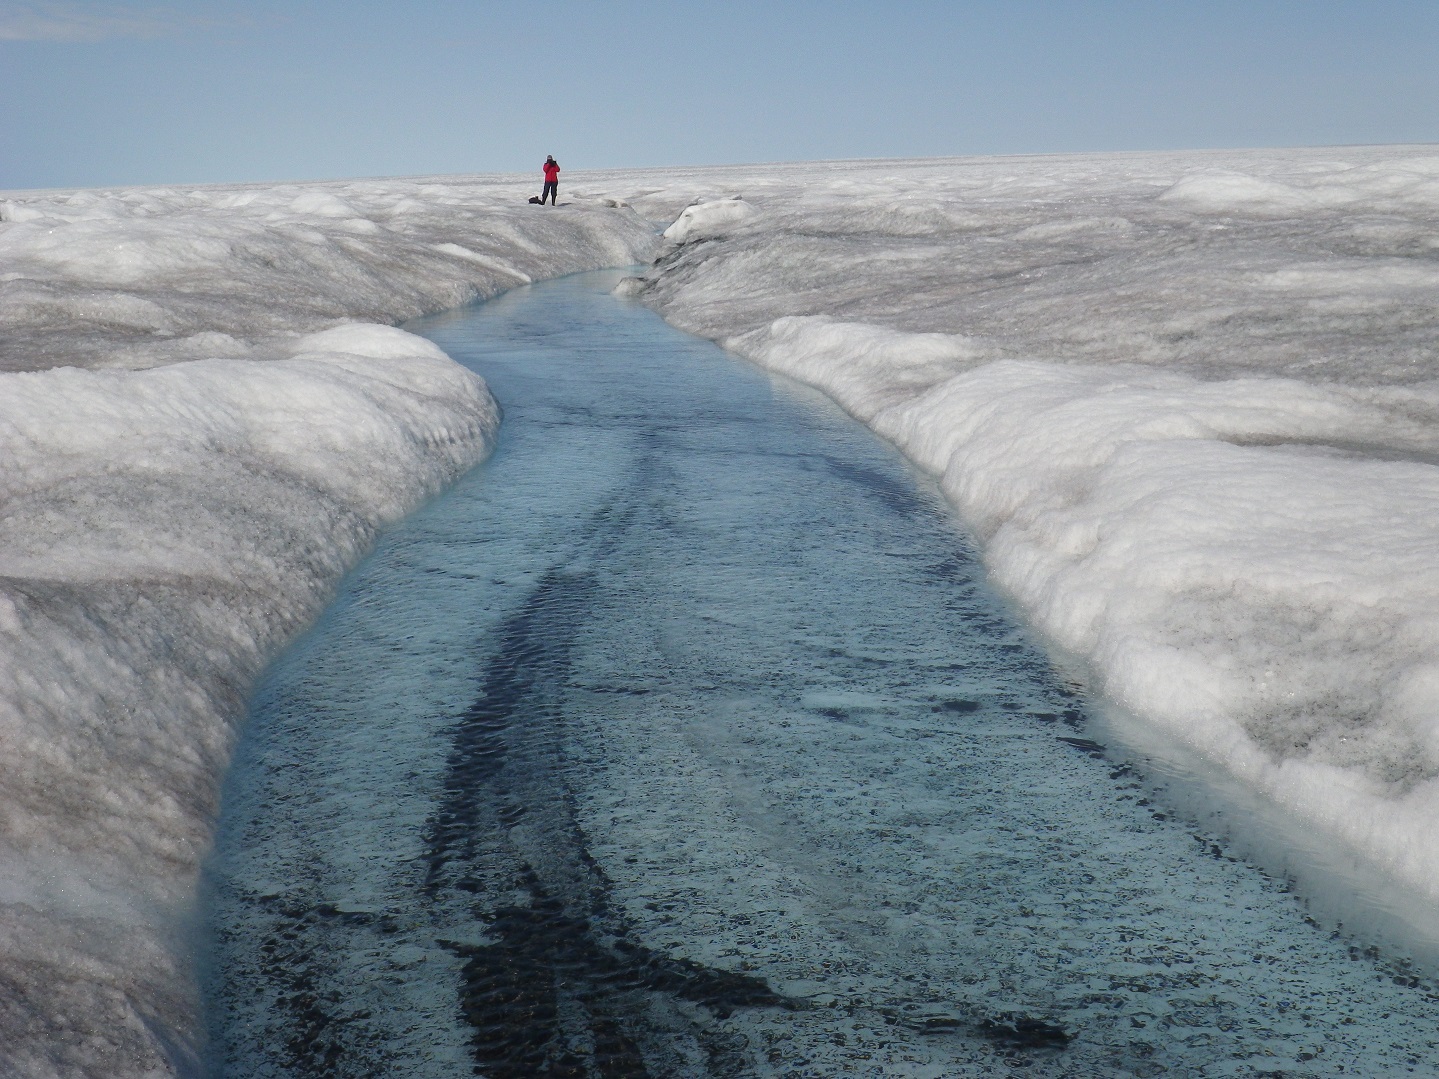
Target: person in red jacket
<point>552,182</point>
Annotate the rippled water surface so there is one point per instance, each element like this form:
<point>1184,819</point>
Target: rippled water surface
<point>683,738</point>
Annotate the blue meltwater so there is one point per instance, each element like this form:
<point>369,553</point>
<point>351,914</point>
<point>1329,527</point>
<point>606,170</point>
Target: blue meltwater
<point>685,738</point>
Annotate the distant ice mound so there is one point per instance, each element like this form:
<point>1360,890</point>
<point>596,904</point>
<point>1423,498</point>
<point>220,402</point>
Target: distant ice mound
<point>1220,191</point>
<point>707,219</point>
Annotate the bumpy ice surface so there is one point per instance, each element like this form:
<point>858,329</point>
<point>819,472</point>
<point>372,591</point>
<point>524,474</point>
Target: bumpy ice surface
<point>1185,400</point>
<point>202,427</point>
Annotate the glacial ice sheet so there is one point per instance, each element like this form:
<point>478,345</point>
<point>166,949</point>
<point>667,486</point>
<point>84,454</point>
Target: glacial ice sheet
<point>692,690</point>
<point>1188,402</point>
<point>201,429</point>
<point>1174,329</point>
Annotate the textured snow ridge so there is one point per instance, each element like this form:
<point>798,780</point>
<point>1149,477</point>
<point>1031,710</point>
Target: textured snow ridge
<point>202,429</point>
<point>1188,402</point>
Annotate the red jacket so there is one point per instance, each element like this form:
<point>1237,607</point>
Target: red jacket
<point>552,172</point>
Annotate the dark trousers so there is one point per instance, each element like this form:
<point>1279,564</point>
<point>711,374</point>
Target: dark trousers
<point>551,192</point>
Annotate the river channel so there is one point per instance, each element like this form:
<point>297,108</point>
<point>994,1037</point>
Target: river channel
<point>684,737</point>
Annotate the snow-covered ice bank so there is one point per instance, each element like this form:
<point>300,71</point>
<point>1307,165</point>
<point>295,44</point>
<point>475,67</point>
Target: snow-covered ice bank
<point>1187,401</point>
<point>201,430</point>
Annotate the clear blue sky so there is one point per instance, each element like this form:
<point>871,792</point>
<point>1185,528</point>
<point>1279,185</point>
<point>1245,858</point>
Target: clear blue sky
<point>212,90</point>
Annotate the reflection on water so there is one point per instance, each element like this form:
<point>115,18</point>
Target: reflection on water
<point>684,739</point>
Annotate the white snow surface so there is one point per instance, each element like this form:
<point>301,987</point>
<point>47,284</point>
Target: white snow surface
<point>203,424</point>
<point>1188,403</point>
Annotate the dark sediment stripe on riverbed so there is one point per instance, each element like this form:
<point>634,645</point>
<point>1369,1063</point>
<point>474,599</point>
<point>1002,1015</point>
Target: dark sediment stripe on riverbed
<point>558,988</point>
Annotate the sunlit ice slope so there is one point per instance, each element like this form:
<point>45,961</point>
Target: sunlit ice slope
<point>203,421</point>
<point>1187,401</point>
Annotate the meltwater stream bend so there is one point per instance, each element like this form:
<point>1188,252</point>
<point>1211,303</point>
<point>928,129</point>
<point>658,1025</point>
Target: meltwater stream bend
<point>683,738</point>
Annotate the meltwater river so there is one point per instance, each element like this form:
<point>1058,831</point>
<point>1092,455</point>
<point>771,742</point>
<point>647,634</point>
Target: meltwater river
<point>684,738</point>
